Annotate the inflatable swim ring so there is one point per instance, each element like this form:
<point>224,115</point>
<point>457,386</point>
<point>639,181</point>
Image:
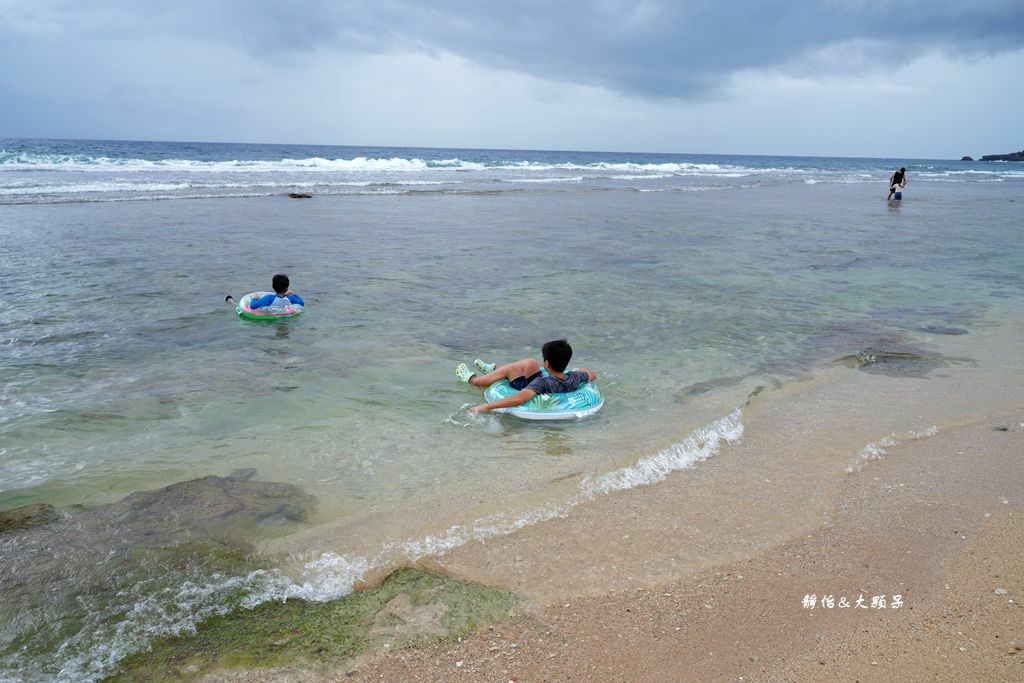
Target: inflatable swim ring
<point>572,405</point>
<point>243,309</point>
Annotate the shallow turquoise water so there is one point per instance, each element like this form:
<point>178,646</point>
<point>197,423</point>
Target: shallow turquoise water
<point>124,370</point>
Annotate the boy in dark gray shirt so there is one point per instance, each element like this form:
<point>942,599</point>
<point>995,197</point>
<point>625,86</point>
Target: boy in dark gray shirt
<point>528,377</point>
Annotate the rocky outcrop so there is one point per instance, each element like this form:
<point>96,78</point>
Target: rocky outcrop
<point>152,562</point>
<point>300,195</point>
<point>1012,156</point>
<point>27,517</point>
<point>966,158</point>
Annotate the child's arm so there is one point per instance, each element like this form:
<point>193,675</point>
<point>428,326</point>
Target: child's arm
<point>295,298</point>
<point>512,401</point>
<point>591,375</point>
<point>261,302</point>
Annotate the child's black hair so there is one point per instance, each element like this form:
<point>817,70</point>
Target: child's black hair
<point>280,283</point>
<point>558,353</point>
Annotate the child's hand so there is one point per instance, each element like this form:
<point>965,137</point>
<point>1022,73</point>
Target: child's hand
<point>476,409</point>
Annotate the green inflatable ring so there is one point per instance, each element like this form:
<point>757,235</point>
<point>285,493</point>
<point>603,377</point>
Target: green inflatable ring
<point>262,313</point>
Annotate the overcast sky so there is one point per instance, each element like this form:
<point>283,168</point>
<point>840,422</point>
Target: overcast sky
<point>888,78</point>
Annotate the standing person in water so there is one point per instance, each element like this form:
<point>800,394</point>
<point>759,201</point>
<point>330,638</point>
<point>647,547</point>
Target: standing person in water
<point>897,180</point>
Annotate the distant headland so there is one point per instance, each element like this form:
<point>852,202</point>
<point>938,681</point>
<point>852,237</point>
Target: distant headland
<point>1012,156</point>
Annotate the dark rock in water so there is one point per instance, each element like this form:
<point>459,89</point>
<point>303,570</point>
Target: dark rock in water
<point>27,517</point>
<point>904,362</point>
<point>155,557</point>
<point>299,195</point>
<point>221,507</point>
<point>938,329</point>
<point>699,388</point>
<point>1012,156</point>
<point>966,159</point>
<point>409,608</point>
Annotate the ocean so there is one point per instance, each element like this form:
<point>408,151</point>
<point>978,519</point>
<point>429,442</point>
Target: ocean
<point>336,445</point>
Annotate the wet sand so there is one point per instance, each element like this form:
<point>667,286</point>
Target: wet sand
<point>852,487</point>
<point>939,522</point>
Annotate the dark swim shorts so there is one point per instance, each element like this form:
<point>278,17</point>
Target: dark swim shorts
<point>520,383</point>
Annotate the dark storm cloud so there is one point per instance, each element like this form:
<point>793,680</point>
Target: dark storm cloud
<point>661,49</point>
<point>672,49</point>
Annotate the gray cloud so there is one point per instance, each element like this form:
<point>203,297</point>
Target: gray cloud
<point>646,47</point>
<point>465,73</point>
<point>671,49</point>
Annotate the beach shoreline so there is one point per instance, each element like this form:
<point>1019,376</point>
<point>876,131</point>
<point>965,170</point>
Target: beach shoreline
<point>913,490</point>
<point>936,523</point>
<point>760,326</point>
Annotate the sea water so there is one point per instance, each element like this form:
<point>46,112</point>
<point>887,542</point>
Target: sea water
<point>684,281</point>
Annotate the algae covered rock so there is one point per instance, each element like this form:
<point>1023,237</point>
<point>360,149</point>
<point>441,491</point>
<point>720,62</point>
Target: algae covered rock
<point>27,517</point>
<point>409,608</point>
<point>228,508</point>
<point>84,584</point>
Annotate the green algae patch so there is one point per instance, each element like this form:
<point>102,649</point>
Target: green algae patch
<point>409,608</point>
<point>80,583</point>
<point>27,517</point>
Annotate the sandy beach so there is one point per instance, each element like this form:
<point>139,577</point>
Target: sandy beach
<point>810,550</point>
<point>775,236</point>
<point>938,523</point>
<point>768,335</point>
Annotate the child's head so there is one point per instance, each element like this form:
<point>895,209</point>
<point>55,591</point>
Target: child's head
<point>557,353</point>
<point>281,283</point>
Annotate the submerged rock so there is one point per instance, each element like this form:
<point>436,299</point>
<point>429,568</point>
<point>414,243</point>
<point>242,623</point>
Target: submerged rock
<point>940,329</point>
<point>410,607</point>
<point>300,195</point>
<point>76,578</point>
<point>896,359</point>
<point>697,388</point>
<point>225,508</point>
<point>27,517</point>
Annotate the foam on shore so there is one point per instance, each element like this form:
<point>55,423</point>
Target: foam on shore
<point>333,575</point>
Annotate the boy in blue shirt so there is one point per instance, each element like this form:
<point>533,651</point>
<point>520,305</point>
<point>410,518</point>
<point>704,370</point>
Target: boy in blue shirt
<point>526,376</point>
<point>282,298</point>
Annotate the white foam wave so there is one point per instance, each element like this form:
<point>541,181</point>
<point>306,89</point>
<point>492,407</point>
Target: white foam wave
<point>94,187</point>
<point>95,652</point>
<point>691,188</point>
<point>100,187</point>
<point>23,474</point>
<point>359,164</point>
<point>314,164</point>
<point>965,172</point>
<point>924,434</point>
<point>970,175</point>
<point>877,450</point>
<point>699,446</point>
<point>566,179</point>
<point>331,576</point>
<point>652,176</point>
<point>245,192</point>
